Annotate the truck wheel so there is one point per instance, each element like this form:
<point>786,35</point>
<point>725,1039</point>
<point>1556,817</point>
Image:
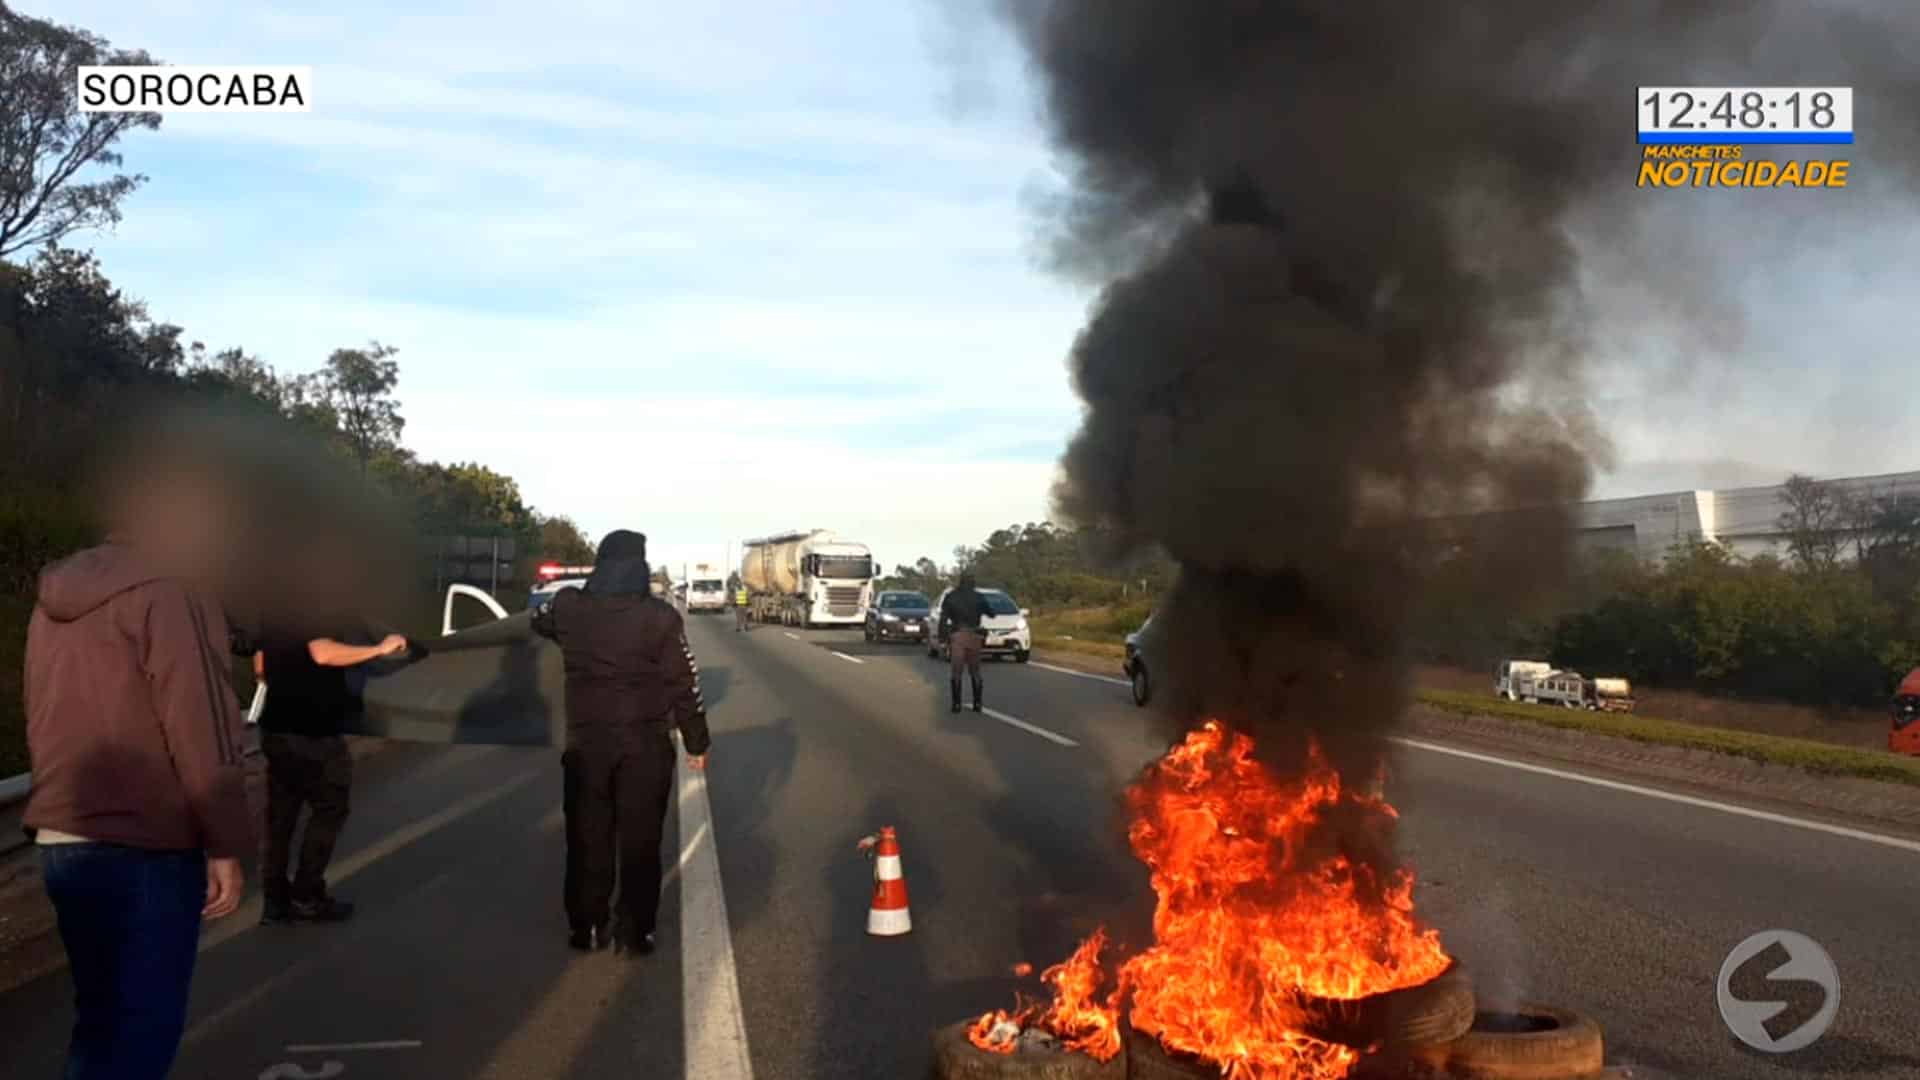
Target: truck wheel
<point>1142,685</point>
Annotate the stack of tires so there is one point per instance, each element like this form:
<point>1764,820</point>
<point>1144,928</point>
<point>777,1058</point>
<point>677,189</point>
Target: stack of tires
<point>1433,1031</point>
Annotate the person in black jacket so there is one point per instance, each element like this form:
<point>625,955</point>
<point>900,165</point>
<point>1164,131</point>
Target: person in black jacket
<point>309,765</point>
<point>631,680</point>
<point>960,615</point>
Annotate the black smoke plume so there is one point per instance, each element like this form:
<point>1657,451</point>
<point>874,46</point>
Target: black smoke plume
<point>1337,347</point>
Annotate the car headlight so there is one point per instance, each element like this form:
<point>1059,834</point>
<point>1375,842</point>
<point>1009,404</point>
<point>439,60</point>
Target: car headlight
<point>887,617</point>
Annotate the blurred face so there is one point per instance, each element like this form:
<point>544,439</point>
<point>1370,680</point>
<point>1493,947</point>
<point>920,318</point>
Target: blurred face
<point>182,516</point>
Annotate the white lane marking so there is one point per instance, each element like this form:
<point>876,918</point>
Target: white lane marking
<point>714,1028</point>
<point>1078,674</point>
<point>1669,796</point>
<point>328,1048</point>
<point>791,634</point>
<point>844,656</point>
<point>1031,729</point>
<point>686,852</point>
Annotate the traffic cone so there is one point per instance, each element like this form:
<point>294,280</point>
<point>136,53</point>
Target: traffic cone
<point>888,915</point>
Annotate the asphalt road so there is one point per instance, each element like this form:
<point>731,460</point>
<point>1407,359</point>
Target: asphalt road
<point>1611,902</point>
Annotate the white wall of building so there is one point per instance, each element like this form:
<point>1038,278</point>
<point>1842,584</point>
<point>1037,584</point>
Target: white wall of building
<point>1746,520</point>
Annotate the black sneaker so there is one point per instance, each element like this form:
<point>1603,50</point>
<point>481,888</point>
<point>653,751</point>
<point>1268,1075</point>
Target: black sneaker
<point>323,909</point>
<point>589,939</point>
<point>276,912</point>
<point>641,946</point>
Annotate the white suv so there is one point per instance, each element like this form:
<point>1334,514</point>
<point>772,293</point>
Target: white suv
<point>1005,626</point>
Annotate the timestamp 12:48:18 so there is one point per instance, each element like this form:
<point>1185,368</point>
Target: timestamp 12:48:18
<point>1749,114</point>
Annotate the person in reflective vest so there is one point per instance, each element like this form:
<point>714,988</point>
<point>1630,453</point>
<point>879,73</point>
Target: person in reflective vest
<point>741,624</point>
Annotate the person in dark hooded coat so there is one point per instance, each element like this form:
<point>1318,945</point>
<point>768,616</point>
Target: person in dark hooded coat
<point>630,680</point>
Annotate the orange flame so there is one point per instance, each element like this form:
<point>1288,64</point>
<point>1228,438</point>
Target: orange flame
<point>1259,911</point>
<point>1078,1020</point>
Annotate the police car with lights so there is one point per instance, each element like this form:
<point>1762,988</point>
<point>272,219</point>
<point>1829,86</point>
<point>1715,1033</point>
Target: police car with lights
<point>554,577</point>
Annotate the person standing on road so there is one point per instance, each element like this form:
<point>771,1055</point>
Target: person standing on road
<point>139,803</point>
<point>960,615</point>
<point>302,732</point>
<point>631,680</point>
<point>741,624</point>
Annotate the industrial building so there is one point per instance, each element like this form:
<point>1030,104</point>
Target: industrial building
<point>1745,520</point>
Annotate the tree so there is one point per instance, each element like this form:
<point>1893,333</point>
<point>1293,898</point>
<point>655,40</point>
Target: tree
<point>359,387</point>
<point>1815,522</point>
<point>48,140</point>
<point>562,541</point>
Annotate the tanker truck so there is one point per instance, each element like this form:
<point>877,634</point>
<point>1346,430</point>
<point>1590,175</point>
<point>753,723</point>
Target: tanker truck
<point>806,579</point>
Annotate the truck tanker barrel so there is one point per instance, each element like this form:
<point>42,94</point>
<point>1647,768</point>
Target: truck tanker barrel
<point>807,577</point>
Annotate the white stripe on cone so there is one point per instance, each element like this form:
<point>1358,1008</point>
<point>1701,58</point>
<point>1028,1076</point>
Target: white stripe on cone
<point>889,923</point>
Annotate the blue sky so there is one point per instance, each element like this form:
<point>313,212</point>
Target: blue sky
<point>714,270</point>
<point>709,273</point>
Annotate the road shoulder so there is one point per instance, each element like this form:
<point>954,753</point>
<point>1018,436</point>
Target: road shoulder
<point>29,937</point>
<point>1839,799</point>
<point>1852,800</point>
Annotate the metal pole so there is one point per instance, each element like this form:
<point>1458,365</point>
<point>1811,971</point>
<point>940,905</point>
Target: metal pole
<point>495,587</point>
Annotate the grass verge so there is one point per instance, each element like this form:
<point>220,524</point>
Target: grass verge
<point>1088,631</point>
<point>1814,757</point>
<point>1080,646</point>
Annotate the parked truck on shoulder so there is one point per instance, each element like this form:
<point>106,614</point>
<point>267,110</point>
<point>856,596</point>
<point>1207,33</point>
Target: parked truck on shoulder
<point>807,578</point>
<point>1572,690</point>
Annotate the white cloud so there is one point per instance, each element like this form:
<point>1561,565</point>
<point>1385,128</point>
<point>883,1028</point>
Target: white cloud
<point>656,260</point>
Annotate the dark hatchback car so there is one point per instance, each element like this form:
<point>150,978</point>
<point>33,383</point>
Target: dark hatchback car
<point>1143,657</point>
<point>899,616</point>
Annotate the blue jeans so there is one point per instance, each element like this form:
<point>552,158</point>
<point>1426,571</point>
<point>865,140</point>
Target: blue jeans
<point>130,920</point>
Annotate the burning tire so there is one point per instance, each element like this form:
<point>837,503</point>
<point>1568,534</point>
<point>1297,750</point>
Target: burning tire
<point>1533,1042</point>
<point>1438,1011</point>
<point>956,1058</point>
<point>1148,1060</point>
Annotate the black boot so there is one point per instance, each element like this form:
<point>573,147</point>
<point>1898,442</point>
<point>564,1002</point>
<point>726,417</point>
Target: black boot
<point>590,938</point>
<point>956,695</point>
<point>276,911</point>
<point>976,696</point>
<point>322,908</point>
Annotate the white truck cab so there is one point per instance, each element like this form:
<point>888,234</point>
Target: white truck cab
<point>1509,674</point>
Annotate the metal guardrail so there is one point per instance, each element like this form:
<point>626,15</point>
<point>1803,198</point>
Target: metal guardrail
<point>14,789</point>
